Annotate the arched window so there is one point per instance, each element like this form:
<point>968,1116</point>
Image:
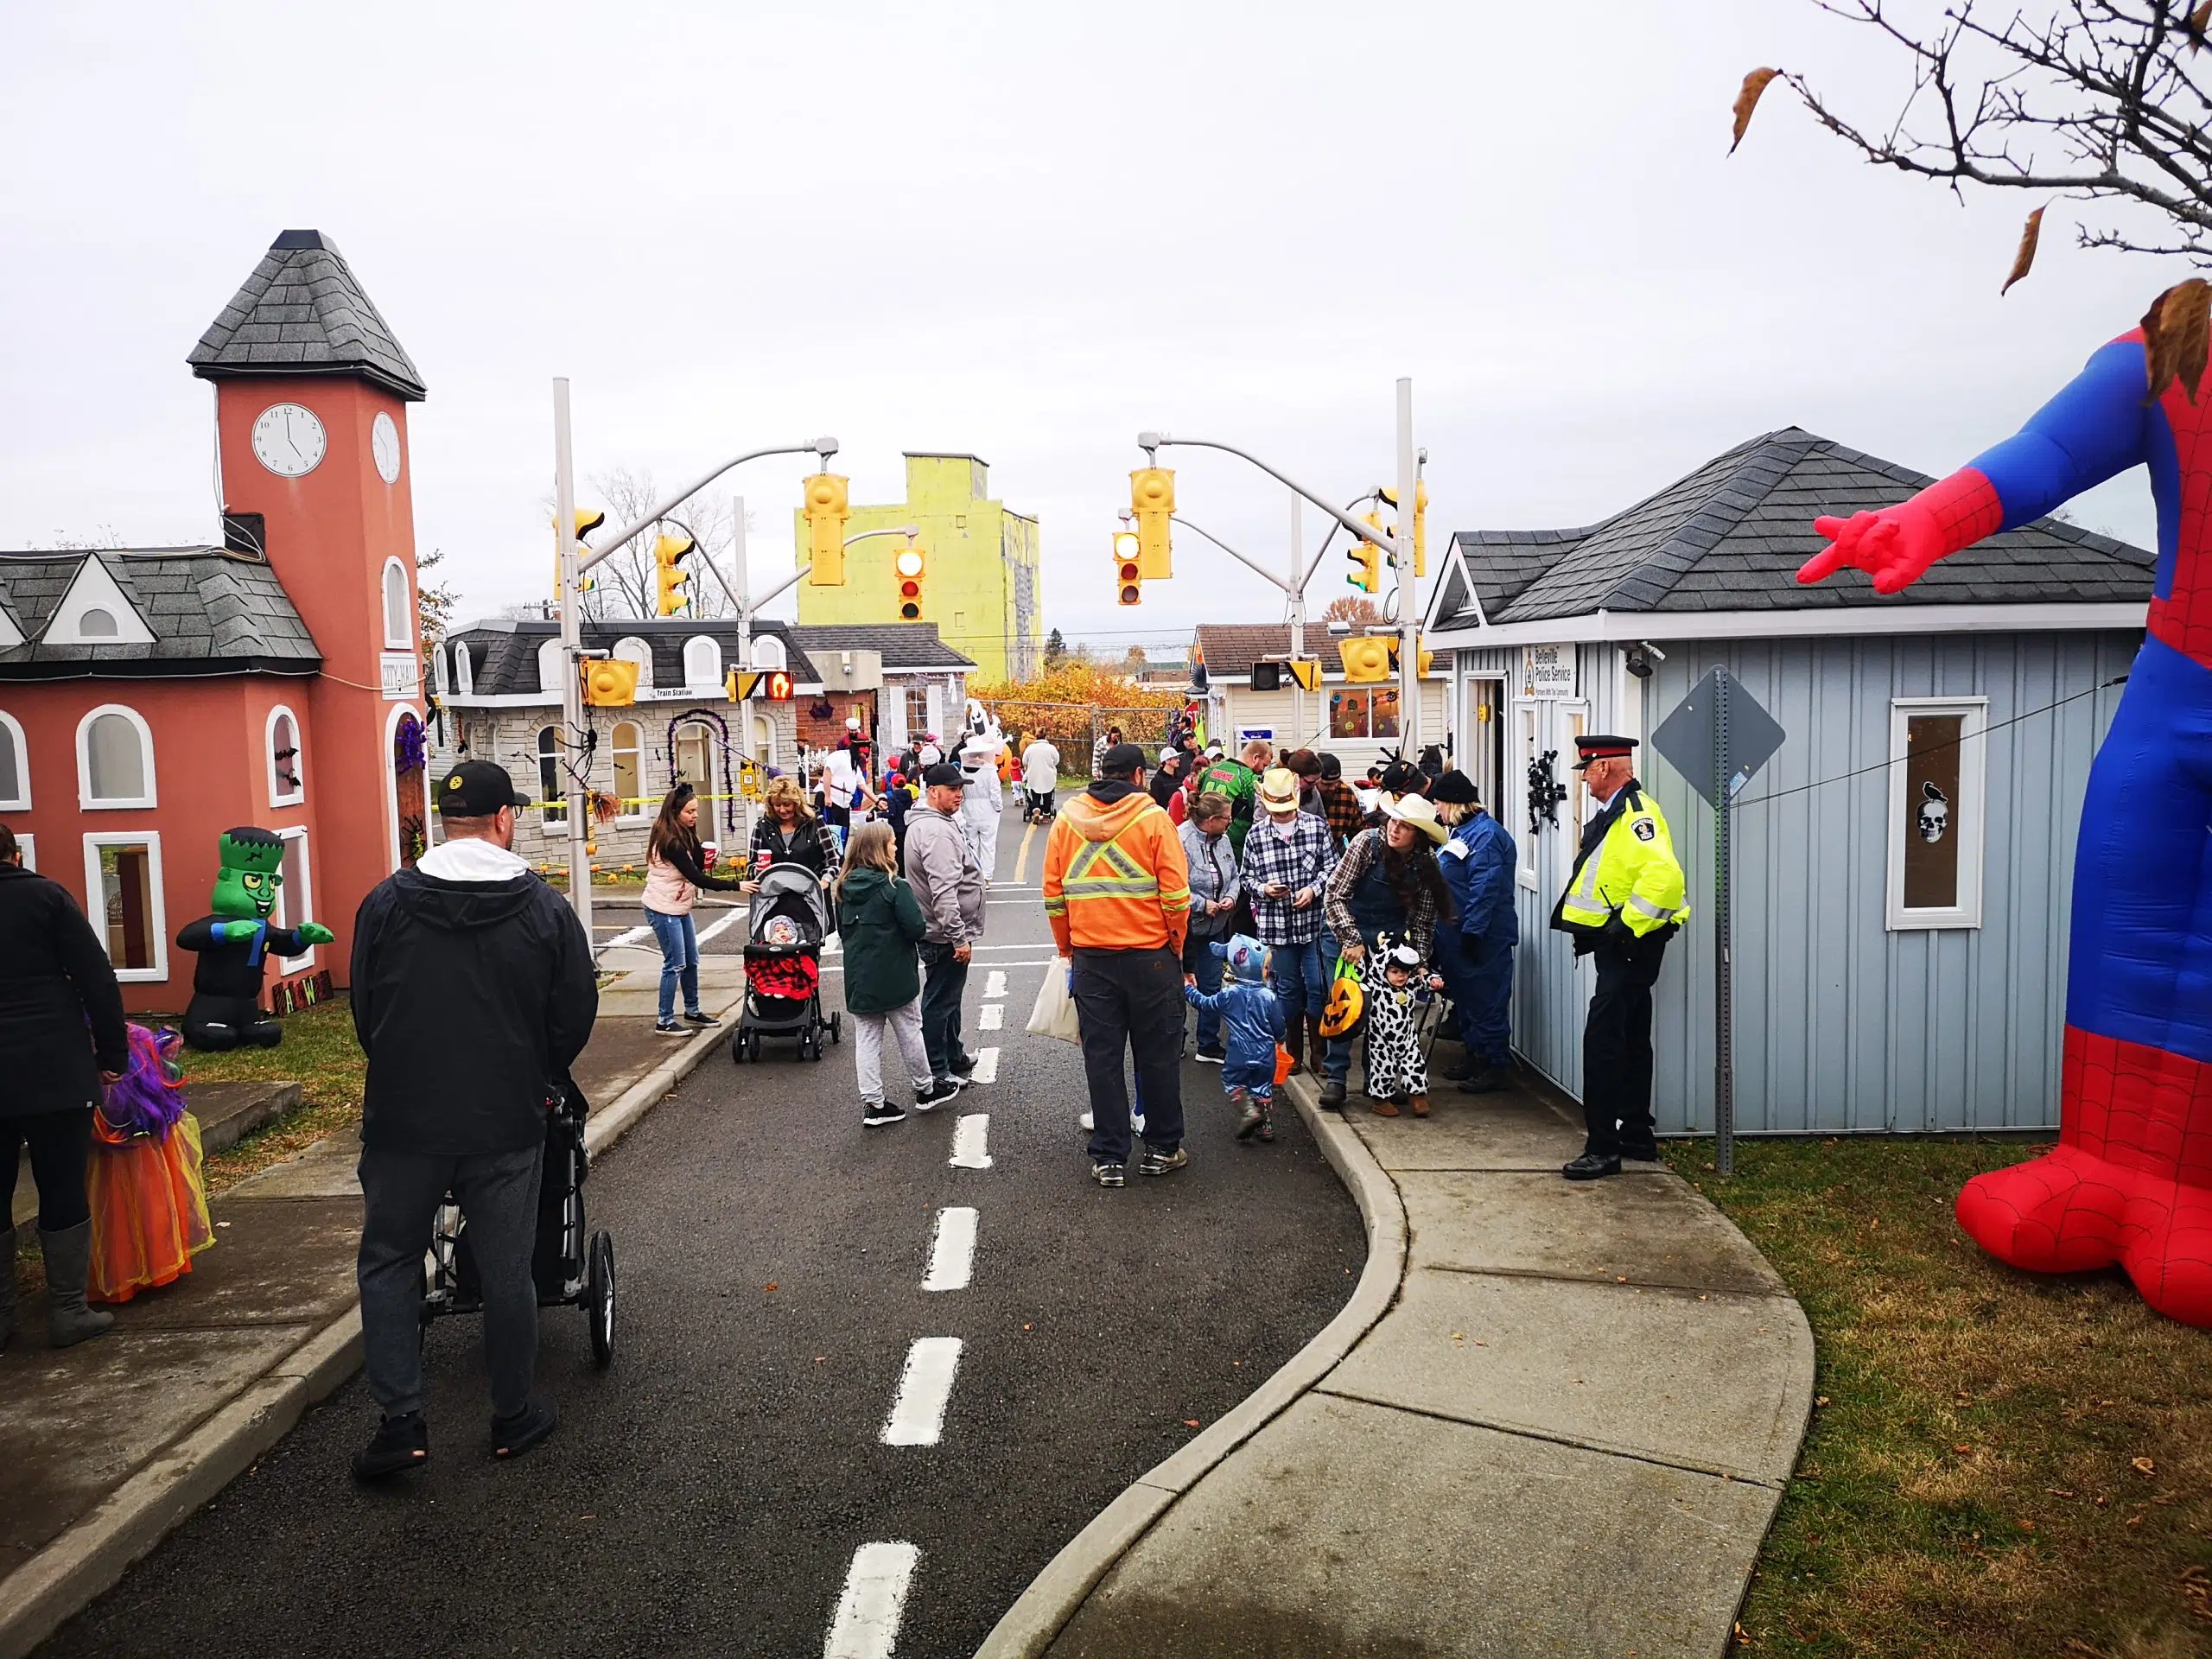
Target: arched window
<point>629,772</point>
<point>631,649</point>
<point>399,626</point>
<point>549,660</point>
<point>702,662</point>
<point>550,789</point>
<point>15,767</point>
<point>286,782</point>
<point>439,682</point>
<point>464,674</point>
<point>768,653</point>
<point>97,623</point>
<point>115,759</point>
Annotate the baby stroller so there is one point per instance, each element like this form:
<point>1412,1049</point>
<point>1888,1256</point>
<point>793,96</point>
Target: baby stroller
<point>1037,805</point>
<point>783,966</point>
<point>571,1270</point>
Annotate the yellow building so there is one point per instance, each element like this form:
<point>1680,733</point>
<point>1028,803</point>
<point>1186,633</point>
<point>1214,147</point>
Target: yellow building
<point>981,583</point>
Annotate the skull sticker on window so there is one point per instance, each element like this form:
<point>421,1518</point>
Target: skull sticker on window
<point>1934,814</point>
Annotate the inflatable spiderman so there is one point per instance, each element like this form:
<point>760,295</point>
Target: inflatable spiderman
<point>2130,1180</point>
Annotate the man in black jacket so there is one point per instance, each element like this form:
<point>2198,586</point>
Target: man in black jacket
<point>474,993</point>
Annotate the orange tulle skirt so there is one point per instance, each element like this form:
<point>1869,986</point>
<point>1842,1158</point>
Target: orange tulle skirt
<point>149,1211</point>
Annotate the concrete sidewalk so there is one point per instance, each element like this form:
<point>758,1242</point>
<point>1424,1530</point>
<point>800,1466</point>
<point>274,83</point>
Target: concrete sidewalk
<point>106,1446</point>
<point>1558,1421</point>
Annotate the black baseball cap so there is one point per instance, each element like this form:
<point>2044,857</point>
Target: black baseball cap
<point>1120,761</point>
<point>477,789</point>
<point>945,775</point>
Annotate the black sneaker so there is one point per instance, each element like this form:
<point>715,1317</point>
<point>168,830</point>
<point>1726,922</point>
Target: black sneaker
<point>1157,1162</point>
<point>1592,1166</point>
<point>668,1028</point>
<point>964,1076</point>
<point>1643,1152</point>
<point>1108,1175</point>
<point>1485,1082</point>
<point>1212,1054</point>
<point>398,1445</point>
<point>881,1111</point>
<point>694,1017</point>
<point>1332,1094</point>
<point>533,1426</point>
<point>931,1096</point>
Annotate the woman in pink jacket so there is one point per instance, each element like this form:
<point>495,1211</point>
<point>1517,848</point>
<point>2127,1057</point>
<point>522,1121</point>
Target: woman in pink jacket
<point>675,871</point>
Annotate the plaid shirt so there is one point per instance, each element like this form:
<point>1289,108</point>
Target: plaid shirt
<point>1363,854</point>
<point>1299,860</point>
<point>1346,819</point>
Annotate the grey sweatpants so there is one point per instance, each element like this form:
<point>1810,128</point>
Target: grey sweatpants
<point>498,1193</point>
<point>905,1025</point>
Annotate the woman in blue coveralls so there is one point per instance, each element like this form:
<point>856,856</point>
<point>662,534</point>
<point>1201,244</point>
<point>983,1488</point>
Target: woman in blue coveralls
<point>1474,948</point>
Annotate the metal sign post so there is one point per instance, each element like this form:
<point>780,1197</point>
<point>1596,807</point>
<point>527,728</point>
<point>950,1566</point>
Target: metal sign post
<point>1716,738</point>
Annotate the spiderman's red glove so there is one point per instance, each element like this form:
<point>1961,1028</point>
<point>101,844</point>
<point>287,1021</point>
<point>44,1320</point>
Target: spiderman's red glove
<point>1897,544</point>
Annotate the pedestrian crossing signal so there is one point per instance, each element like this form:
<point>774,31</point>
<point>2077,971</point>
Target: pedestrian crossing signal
<point>773,685</point>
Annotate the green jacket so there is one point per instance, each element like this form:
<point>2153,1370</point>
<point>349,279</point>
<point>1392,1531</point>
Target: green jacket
<point>880,921</point>
<point>1232,778</point>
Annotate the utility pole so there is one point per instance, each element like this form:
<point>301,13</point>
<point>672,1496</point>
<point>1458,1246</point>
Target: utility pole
<point>743,566</point>
<point>1408,583</point>
<point>572,686</point>
<point>1296,589</point>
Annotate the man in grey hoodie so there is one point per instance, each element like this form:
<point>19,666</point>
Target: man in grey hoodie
<point>941,867</point>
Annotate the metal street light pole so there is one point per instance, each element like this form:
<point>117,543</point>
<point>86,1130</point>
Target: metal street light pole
<point>1296,590</point>
<point>1408,583</point>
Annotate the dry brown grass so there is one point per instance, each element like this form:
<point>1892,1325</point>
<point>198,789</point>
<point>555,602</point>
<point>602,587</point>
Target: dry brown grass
<point>1971,1485</point>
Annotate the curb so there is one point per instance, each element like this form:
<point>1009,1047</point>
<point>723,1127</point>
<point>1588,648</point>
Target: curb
<point>91,1555</point>
<point>1036,1619</point>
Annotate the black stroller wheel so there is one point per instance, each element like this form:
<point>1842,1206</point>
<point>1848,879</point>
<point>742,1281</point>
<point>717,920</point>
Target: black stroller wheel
<point>753,1047</point>
<point>737,1048</point>
<point>599,1296</point>
<point>837,1028</point>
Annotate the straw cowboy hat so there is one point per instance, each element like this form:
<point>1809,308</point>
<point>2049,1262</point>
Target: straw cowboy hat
<point>1416,810</point>
<point>1279,788</point>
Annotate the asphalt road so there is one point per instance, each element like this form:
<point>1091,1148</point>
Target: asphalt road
<point>710,1493</point>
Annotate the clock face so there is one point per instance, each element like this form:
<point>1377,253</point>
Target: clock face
<point>289,439</point>
<point>384,444</point>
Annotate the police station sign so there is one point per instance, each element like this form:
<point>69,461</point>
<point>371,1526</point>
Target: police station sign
<point>1547,671</point>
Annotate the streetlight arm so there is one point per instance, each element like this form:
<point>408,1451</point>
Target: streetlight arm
<point>588,557</point>
<point>1250,564</point>
<point>792,580</point>
<point>1150,440</point>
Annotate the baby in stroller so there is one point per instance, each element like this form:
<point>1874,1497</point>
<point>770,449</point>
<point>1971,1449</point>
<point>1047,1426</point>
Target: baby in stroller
<point>786,931</point>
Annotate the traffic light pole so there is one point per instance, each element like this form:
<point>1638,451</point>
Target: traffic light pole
<point>1408,584</point>
<point>1293,589</point>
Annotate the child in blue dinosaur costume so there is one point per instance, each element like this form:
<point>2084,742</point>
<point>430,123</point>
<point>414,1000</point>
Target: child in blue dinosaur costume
<point>235,943</point>
<point>1251,1025</point>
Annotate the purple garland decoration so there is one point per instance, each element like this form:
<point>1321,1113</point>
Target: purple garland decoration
<point>408,750</point>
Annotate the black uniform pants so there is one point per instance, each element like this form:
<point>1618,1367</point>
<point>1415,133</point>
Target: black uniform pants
<point>1617,1045</point>
<point>1131,1002</point>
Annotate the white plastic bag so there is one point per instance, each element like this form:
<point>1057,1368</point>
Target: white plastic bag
<point>1054,1013</point>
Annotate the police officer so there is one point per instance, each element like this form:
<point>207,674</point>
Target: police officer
<point>1623,904</point>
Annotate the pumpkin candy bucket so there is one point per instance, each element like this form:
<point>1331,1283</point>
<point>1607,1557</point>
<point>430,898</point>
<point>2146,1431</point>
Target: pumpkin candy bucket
<point>1347,1001</point>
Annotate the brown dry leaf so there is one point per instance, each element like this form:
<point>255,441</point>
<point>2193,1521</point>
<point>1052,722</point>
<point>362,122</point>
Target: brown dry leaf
<point>1747,100</point>
<point>2145,1466</point>
<point>771,1285</point>
<point>1190,1423</point>
<point>2176,331</point>
<point>2195,25</point>
<point>2026,257</point>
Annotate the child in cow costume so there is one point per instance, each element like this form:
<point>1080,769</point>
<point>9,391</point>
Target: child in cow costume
<point>2130,1180</point>
<point>235,943</point>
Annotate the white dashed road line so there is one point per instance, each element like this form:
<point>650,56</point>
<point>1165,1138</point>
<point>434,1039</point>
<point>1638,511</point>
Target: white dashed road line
<point>924,1389</point>
<point>993,1017</point>
<point>971,1141</point>
<point>875,1599</point>
<point>987,1065</point>
<point>994,983</point>
<point>952,1256</point>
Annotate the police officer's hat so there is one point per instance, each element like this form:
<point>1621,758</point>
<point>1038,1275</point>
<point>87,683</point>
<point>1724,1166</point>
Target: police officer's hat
<point>1598,747</point>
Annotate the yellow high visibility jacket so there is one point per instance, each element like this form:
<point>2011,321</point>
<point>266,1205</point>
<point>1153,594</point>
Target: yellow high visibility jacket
<point>1627,870</point>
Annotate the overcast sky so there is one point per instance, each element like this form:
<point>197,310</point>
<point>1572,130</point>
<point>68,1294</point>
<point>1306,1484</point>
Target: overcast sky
<point>1024,231</point>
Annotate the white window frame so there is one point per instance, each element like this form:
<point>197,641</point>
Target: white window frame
<point>26,844</point>
<point>1568,845</point>
<point>440,682</point>
<point>304,911</point>
<point>1528,743</point>
<point>630,648</point>
<point>631,815</point>
<point>767,652</point>
<point>1969,814</point>
<point>464,670</point>
<point>12,729</point>
<point>276,795</point>
<point>552,809</point>
<point>405,637</point>
<point>712,648</point>
<point>550,663</point>
<point>86,803</point>
<point>96,898</point>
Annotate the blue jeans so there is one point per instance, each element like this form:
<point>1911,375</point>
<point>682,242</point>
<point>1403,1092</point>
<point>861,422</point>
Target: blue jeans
<point>679,961</point>
<point>1478,974</point>
<point>1301,974</point>
<point>1199,961</point>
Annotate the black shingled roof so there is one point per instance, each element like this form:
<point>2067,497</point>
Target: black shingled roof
<point>901,644</point>
<point>209,610</point>
<point>1731,536</point>
<point>503,654</point>
<point>301,312</point>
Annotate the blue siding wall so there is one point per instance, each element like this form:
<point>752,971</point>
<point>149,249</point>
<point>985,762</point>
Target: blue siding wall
<point>1843,1025</point>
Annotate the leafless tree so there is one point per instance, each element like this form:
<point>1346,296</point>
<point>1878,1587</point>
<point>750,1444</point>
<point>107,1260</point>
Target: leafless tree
<point>623,584</point>
<point>1351,608</point>
<point>2099,101</point>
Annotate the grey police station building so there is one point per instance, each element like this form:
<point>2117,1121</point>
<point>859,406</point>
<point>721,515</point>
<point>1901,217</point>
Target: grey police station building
<point>1903,864</point>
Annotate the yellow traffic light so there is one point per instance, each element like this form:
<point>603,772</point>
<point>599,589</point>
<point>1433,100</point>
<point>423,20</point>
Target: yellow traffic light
<point>610,682</point>
<point>1366,658</point>
<point>1306,670</point>
<point>1152,498</point>
<point>668,580</point>
<point>1425,657</point>
<point>1420,525</point>
<point>907,568</point>
<point>1128,566</point>
<point>826,511</point>
<point>1366,572</point>
<point>587,519</point>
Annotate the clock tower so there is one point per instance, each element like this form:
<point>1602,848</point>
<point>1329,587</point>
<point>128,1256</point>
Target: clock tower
<point>311,397</point>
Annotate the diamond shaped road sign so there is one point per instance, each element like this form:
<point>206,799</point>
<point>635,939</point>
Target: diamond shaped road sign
<point>1694,737</point>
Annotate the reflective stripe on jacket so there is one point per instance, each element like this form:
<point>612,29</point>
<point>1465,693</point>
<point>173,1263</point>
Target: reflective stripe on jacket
<point>1627,870</point>
<point>1114,877</point>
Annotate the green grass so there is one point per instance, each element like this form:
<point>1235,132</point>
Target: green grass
<point>1970,1484</point>
<point>320,1052</point>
